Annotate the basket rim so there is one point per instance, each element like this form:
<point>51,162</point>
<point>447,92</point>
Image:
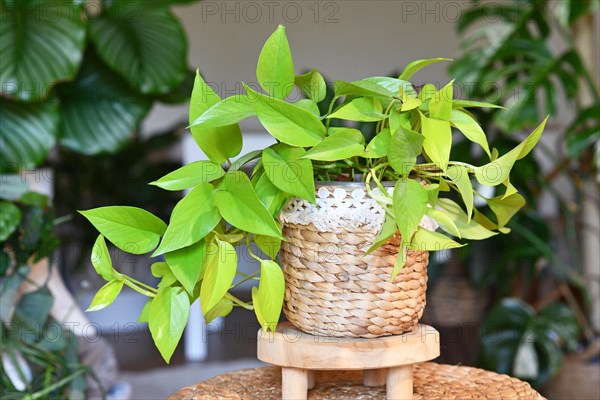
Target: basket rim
<point>359,185</point>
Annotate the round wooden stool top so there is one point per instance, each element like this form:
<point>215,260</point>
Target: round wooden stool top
<point>289,347</point>
<point>431,382</point>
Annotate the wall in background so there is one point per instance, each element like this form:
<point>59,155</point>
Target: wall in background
<point>346,40</point>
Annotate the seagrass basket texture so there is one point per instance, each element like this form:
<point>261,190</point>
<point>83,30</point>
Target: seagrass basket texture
<point>332,287</point>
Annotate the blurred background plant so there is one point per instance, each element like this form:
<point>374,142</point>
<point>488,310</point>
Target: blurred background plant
<point>77,78</point>
<point>39,356</point>
<point>537,57</point>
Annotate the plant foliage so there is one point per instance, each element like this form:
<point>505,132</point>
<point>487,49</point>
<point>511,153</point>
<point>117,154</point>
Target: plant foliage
<point>39,356</point>
<point>226,208</point>
<point>83,74</point>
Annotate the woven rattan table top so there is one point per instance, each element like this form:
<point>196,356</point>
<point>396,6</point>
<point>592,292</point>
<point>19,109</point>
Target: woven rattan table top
<point>431,381</point>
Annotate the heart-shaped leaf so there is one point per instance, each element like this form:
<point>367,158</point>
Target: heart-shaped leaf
<point>275,69</point>
<point>131,229</point>
<point>340,144</point>
<point>410,204</point>
<point>363,109</point>
<point>192,219</point>
<point>220,267</point>
<point>106,295</point>
<point>438,140</point>
<point>286,122</point>
<point>238,204</point>
<point>404,148</point>
<point>312,85</point>
<point>167,316</point>
<point>465,123</point>
<point>226,112</point>
<point>221,143</point>
<point>415,66</point>
<point>288,171</point>
<point>101,259</point>
<point>186,264</point>
<point>498,171</point>
<point>267,299</point>
<point>190,175</point>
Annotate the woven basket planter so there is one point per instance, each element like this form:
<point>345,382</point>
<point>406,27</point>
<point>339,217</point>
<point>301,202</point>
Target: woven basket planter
<point>332,287</point>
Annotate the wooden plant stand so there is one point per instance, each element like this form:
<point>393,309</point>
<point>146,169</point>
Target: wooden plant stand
<point>386,360</point>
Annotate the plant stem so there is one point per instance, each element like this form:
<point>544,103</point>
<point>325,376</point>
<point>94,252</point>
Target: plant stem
<point>246,279</point>
<point>142,284</point>
<point>57,385</point>
<point>132,285</point>
<point>239,302</point>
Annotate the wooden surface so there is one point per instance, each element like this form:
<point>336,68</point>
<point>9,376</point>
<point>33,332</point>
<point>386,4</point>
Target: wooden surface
<point>289,347</point>
<point>431,382</point>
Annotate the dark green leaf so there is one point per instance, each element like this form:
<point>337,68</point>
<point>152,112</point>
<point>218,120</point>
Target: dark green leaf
<point>41,45</point>
<point>10,217</point>
<point>148,47</point>
<point>28,132</point>
<point>99,110</point>
<point>33,310</point>
<point>12,187</point>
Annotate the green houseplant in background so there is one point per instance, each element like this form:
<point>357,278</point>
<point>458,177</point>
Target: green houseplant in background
<point>37,358</point>
<point>80,76</point>
<point>99,62</point>
<point>226,208</point>
<point>531,50</point>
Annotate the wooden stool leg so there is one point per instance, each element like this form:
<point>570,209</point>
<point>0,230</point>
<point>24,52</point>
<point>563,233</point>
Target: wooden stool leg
<point>400,383</point>
<point>374,377</point>
<point>311,379</point>
<point>294,384</point>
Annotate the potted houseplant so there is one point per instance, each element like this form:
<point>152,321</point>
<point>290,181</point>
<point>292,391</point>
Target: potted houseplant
<point>354,245</point>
